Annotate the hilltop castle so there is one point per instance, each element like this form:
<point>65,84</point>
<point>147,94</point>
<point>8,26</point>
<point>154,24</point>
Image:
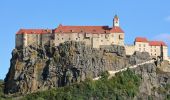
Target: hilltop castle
<point>93,36</point>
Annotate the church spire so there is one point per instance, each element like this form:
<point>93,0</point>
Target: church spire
<point>116,21</point>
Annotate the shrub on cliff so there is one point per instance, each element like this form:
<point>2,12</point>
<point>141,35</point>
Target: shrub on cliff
<point>1,89</point>
<point>121,87</point>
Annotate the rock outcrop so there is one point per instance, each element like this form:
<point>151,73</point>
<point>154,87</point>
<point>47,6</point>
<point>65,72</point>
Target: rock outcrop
<point>155,84</point>
<point>37,68</point>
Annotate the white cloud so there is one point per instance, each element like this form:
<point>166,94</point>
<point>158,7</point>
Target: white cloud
<point>167,18</point>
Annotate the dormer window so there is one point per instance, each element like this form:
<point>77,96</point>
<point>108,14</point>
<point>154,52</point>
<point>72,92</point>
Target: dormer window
<point>71,30</point>
<point>94,30</point>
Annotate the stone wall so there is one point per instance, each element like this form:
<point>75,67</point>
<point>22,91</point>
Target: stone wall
<point>19,40</point>
<point>165,51</point>
<point>95,40</point>
<point>45,39</point>
<point>130,49</point>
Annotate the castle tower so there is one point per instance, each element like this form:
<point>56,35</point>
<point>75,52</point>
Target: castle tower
<point>116,21</point>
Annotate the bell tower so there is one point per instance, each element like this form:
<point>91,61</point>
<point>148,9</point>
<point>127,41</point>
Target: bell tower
<point>116,21</point>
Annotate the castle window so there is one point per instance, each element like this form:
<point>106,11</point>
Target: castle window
<point>120,36</point>
<point>69,38</point>
<point>101,40</point>
<point>144,45</point>
<point>62,38</point>
<point>71,30</point>
<point>76,38</point>
<point>58,38</point>
<point>106,36</point>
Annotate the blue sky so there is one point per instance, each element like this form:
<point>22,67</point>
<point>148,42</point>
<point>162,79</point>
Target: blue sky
<point>147,18</point>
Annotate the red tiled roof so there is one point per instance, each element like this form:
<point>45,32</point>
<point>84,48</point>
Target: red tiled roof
<point>116,29</point>
<point>77,29</point>
<point>34,31</point>
<point>157,43</point>
<point>140,39</point>
<point>72,29</point>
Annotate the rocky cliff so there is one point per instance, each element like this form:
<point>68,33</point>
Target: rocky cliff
<point>155,83</point>
<point>39,68</point>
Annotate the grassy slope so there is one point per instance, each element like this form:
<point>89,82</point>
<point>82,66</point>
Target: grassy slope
<point>122,87</point>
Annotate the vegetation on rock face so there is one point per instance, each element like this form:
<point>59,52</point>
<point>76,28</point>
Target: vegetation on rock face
<point>123,86</point>
<point>1,88</point>
<point>164,90</point>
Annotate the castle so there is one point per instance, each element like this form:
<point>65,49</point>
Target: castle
<point>154,48</point>
<point>94,36</point>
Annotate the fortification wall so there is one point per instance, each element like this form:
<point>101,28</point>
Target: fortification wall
<point>165,51</point>
<point>32,39</point>
<point>130,49</point>
<point>45,39</point>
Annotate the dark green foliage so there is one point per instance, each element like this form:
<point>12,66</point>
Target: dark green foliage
<point>150,98</point>
<point>105,75</point>
<point>121,87</point>
<point>1,88</point>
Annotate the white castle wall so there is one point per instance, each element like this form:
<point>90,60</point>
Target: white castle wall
<point>130,49</point>
<point>154,51</point>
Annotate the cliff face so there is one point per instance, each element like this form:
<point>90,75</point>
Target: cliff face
<point>155,84</point>
<point>39,68</point>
